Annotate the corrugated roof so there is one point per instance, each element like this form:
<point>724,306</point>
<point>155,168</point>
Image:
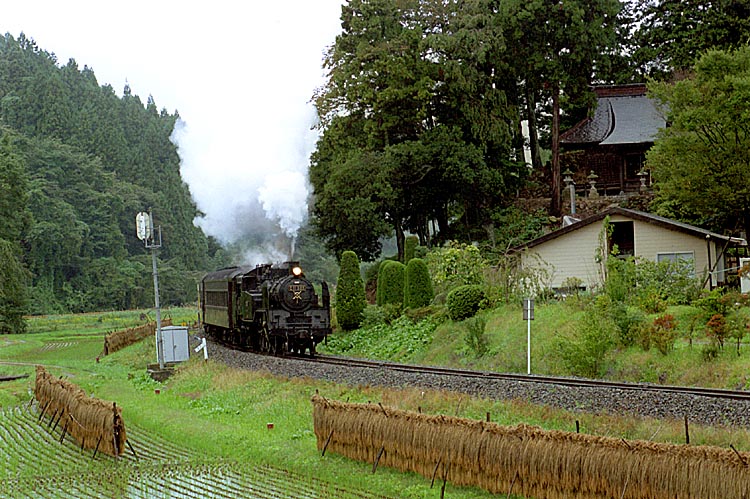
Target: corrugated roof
<point>623,115</point>
<point>642,216</point>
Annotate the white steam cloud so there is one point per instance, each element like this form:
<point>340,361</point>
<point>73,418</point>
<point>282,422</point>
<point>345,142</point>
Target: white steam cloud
<point>284,199</point>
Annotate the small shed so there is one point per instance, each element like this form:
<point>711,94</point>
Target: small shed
<point>571,252</point>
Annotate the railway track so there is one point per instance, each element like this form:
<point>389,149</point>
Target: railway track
<point>715,393</point>
<point>708,406</point>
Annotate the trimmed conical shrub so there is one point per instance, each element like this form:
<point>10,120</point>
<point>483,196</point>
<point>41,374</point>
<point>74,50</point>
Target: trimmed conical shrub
<point>410,245</point>
<point>418,290</point>
<point>350,292</point>
<point>390,283</point>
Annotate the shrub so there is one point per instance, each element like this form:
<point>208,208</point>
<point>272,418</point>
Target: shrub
<point>509,282</point>
<point>664,333</point>
<point>627,320</point>
<point>372,315</point>
<point>571,286</point>
<point>464,301</point>
<point>716,328</point>
<point>390,283</point>
<point>436,313</point>
<point>410,246</point>
<point>585,352</point>
<point>454,265</point>
<point>651,285</point>
<point>391,312</point>
<point>709,352</point>
<point>712,303</point>
<point>350,293</point>
<point>475,338</point>
<point>418,290</point>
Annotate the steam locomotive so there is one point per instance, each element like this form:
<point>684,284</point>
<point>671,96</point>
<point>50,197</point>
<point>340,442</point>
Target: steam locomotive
<point>269,309</point>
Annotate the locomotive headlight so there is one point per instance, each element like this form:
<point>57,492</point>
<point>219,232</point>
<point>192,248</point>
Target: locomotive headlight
<point>297,271</point>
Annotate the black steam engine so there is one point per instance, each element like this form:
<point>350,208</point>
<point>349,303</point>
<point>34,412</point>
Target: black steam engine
<point>270,309</point>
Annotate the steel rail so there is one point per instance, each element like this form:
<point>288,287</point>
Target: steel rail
<point>550,380</point>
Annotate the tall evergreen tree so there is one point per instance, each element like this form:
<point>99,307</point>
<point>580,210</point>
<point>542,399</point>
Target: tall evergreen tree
<point>14,193</point>
<point>672,34</point>
<point>409,91</point>
<point>13,290</point>
<point>558,48</point>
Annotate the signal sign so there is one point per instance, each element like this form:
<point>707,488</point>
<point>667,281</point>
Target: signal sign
<point>143,226</point>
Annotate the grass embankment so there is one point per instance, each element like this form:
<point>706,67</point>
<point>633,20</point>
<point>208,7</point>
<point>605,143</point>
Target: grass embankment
<point>222,413</point>
<point>506,342</point>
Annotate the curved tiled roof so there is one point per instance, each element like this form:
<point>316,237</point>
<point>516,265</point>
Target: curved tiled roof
<point>623,115</point>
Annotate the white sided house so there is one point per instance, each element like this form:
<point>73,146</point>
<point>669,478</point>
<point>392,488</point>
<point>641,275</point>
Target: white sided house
<point>574,252</point>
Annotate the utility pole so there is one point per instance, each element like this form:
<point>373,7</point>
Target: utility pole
<point>144,224</point>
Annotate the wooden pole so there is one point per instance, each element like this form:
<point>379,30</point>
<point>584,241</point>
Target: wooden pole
<point>488,417</point>
<point>445,480</point>
<point>97,446</point>
<point>52,419</point>
<point>578,426</point>
<point>434,472</point>
<point>62,413</point>
<point>132,450</point>
<point>377,459</point>
<point>738,455</point>
<point>44,410</point>
<point>382,409</point>
<point>65,430</point>
<point>512,483</point>
<point>328,441</point>
<point>687,432</point>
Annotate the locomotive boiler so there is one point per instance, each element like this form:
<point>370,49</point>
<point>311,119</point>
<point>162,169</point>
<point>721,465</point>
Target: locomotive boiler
<point>269,308</point>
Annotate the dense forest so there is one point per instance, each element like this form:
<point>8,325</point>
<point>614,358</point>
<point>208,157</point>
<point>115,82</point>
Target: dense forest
<point>421,132</point>
<point>77,163</point>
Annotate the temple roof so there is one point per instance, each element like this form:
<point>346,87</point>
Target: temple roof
<point>624,115</point>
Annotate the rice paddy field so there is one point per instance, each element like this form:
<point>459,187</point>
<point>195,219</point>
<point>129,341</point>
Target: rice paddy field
<point>207,432</point>
<point>212,431</point>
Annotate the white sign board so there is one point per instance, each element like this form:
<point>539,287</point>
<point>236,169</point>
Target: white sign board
<point>143,225</point>
<point>745,279</point>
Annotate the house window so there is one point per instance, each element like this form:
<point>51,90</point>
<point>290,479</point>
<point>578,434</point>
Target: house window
<point>686,258</point>
<point>623,238</point>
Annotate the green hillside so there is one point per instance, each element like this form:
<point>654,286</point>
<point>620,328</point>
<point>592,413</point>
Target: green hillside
<point>77,163</point>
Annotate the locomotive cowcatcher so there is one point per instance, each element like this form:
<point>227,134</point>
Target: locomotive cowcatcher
<point>269,308</point>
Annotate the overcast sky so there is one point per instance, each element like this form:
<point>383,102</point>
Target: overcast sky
<point>240,74</point>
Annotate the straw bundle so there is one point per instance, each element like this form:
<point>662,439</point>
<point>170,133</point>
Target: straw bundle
<point>94,423</point>
<point>526,459</point>
<point>118,340</point>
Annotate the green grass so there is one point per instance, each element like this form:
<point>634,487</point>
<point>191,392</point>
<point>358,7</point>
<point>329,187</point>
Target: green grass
<point>506,334</point>
<point>222,413</point>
